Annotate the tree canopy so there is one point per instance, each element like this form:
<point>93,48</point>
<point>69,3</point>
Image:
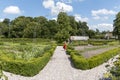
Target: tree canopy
<point>116,26</point>
<point>40,27</point>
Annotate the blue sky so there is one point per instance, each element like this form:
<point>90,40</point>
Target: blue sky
<point>99,14</point>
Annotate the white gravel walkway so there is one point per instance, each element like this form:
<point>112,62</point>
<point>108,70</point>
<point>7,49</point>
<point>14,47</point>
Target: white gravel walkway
<point>59,68</point>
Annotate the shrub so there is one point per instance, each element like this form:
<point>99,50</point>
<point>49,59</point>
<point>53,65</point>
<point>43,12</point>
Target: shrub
<point>23,43</point>
<point>23,67</point>
<point>79,62</point>
<point>83,63</point>
<point>99,42</point>
<point>1,43</point>
<point>77,43</point>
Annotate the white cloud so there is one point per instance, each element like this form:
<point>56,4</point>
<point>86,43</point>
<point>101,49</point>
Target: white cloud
<point>79,18</point>
<point>48,3</point>
<point>55,18</point>
<point>70,1</point>
<point>1,20</point>
<point>57,7</point>
<point>12,10</point>
<point>102,13</point>
<point>66,1</point>
<point>102,27</point>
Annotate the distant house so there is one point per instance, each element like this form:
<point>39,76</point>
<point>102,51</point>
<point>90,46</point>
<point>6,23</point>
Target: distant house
<point>109,35</point>
<point>79,37</point>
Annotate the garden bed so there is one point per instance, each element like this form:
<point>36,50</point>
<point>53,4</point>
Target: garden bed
<point>26,59</point>
<point>82,63</point>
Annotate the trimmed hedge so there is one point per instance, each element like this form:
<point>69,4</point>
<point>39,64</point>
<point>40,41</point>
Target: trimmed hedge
<point>78,43</point>
<point>83,63</point>
<point>26,68</point>
<point>95,42</point>
<point>99,42</point>
<point>79,61</point>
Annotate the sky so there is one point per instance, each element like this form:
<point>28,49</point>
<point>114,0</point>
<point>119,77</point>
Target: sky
<point>99,14</point>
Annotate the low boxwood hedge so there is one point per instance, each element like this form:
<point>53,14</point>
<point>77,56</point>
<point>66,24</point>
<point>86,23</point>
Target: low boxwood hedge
<point>26,68</point>
<point>99,42</point>
<point>87,63</point>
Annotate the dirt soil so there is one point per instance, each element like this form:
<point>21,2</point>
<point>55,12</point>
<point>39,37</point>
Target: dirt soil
<point>88,54</point>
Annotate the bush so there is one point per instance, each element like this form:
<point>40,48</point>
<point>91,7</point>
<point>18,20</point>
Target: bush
<point>79,62</point>
<point>78,43</point>
<point>26,68</point>
<point>83,63</point>
<point>1,43</point>
<point>99,42</point>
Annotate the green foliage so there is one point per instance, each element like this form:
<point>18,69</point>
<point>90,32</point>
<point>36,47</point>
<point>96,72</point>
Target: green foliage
<point>116,25</point>
<point>79,43</point>
<point>23,43</point>
<point>24,51</point>
<point>26,68</point>
<point>64,27</point>
<point>82,63</point>
<point>62,36</point>
<point>79,62</point>
<point>1,43</point>
<point>40,27</point>
<point>113,43</point>
<point>23,57</point>
<point>99,42</point>
<point>2,76</point>
<point>93,42</point>
<point>115,70</point>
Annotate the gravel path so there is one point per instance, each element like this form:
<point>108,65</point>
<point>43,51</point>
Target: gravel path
<point>59,68</point>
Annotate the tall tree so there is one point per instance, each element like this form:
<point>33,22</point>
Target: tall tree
<point>18,25</point>
<point>82,28</point>
<point>91,33</point>
<point>73,25</point>
<point>32,30</point>
<point>116,26</point>
<point>64,27</point>
<point>43,24</point>
<point>6,21</point>
<point>6,27</point>
<point>53,28</point>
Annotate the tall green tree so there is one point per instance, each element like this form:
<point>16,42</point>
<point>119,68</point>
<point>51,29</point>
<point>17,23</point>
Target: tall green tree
<point>5,27</point>
<point>91,33</point>
<point>82,28</point>
<point>64,27</point>
<point>116,26</point>
<point>73,25</point>
<point>32,30</point>
<point>43,24</point>
<point>53,28</point>
<point>18,26</point>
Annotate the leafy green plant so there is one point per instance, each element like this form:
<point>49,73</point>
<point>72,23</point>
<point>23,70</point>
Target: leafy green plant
<point>82,63</point>
<point>26,67</point>
<point>2,76</point>
<point>1,43</point>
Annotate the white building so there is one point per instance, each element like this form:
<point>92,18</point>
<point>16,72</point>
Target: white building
<point>79,37</point>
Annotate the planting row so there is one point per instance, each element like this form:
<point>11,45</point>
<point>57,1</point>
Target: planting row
<point>82,63</point>
<point>94,42</point>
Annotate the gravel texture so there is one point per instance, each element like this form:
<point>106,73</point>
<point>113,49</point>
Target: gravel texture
<point>60,68</point>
